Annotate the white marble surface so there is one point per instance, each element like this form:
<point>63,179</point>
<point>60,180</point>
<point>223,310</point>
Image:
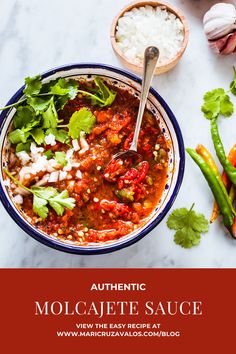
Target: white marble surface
<point>37,35</point>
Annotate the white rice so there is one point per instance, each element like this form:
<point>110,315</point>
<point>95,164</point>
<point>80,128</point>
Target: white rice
<point>145,26</point>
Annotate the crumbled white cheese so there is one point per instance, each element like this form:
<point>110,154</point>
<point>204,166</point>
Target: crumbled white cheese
<point>50,139</point>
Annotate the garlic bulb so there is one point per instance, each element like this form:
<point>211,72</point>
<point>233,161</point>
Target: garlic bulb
<point>220,28</point>
<point>219,21</point>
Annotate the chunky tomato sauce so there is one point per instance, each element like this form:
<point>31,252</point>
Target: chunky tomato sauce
<point>110,201</point>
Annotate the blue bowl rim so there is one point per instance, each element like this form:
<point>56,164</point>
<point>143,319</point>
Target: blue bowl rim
<point>84,250</point>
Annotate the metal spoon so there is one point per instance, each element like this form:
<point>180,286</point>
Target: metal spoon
<point>151,56</point>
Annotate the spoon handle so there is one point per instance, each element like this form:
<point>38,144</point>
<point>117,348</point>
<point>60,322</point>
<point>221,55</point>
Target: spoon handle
<point>151,56</point>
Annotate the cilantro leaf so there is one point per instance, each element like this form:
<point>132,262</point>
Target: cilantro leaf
<point>39,206</point>
<point>48,154</point>
<point>34,123</point>
<point>63,200</point>
<point>226,107</point>
<point>49,195</point>
<point>33,85</point>
<point>23,116</point>
<point>50,117</point>
<point>193,238</point>
<point>60,102</point>
<point>60,157</point>
<point>44,192</point>
<point>82,120</point>
<point>217,102</point>
<point>60,135</point>
<point>104,93</point>
<point>177,219</point>
<point>65,87</point>
<point>189,226</point>
<point>18,136</point>
<point>38,135</point>
<point>59,209</point>
<point>39,104</point>
<point>23,146</point>
<point>103,96</point>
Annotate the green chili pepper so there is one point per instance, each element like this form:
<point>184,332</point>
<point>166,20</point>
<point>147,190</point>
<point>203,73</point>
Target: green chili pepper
<point>204,153</point>
<point>220,152</point>
<point>125,195</point>
<point>222,199</point>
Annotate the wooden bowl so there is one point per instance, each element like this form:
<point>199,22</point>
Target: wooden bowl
<point>161,68</point>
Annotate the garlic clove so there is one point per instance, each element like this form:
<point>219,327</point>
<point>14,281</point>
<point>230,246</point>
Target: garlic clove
<point>219,21</point>
<point>218,44</point>
<point>225,45</point>
<point>230,45</point>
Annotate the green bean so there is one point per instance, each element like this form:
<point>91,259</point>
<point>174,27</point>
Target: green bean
<point>222,199</point>
<point>220,152</point>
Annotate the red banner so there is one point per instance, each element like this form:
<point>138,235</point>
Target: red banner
<point>117,309</point>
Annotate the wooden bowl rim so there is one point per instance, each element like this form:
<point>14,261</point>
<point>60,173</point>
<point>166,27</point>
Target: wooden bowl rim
<point>153,3</point>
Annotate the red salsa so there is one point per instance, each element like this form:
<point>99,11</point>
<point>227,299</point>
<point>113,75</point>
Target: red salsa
<point>110,200</point>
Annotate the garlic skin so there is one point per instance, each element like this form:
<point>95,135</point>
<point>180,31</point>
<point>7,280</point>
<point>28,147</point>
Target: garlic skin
<point>219,21</point>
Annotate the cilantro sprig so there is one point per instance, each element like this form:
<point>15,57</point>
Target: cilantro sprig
<point>46,196</point>
<point>188,225</point>
<point>218,102</point>
<point>37,113</point>
<point>103,96</point>
<point>82,120</point>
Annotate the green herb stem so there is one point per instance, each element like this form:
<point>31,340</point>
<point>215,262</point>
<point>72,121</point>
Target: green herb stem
<point>16,181</point>
<point>91,95</point>
<point>13,104</point>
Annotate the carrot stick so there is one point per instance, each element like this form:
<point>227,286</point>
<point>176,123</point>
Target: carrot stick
<point>226,181</point>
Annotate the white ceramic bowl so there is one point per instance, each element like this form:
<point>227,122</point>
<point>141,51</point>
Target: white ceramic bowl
<point>167,122</point>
